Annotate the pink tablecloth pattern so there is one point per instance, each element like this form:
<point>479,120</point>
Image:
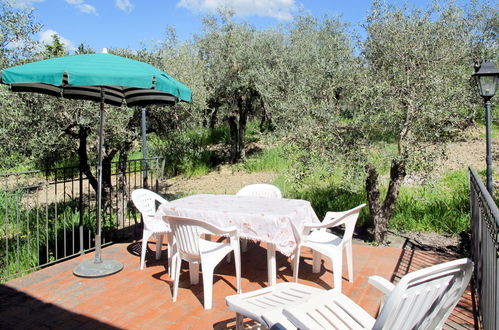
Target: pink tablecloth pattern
<point>258,218</point>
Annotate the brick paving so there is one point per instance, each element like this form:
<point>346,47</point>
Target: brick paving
<point>53,298</point>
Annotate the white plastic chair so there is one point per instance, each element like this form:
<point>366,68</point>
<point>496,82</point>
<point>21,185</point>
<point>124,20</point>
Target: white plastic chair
<point>269,301</point>
<point>189,246</point>
<point>258,190</point>
<point>322,242</point>
<point>422,299</point>
<point>145,201</point>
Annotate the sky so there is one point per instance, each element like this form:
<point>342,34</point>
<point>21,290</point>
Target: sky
<point>133,23</point>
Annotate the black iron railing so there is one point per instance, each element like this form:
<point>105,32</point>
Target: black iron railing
<point>485,252</point>
<point>49,216</point>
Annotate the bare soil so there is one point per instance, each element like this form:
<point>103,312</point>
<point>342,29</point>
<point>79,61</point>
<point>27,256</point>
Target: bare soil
<point>460,155</point>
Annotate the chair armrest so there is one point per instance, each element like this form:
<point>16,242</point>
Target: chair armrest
<point>381,284</point>
<point>229,231</point>
<point>313,225</point>
<point>161,199</point>
<point>331,219</point>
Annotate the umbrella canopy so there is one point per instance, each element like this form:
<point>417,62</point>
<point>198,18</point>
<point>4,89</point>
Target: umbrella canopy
<point>123,80</point>
<point>107,79</point>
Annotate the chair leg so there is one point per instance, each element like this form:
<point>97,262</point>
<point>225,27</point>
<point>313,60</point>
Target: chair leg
<point>194,272</point>
<point>337,262</point>
<point>239,321</point>
<point>177,263</point>
<point>170,253</point>
<point>316,263</point>
<point>207,286</point>
<point>296,264</point>
<point>271,263</point>
<point>348,248</point>
<point>145,238</point>
<point>159,244</point>
<point>237,262</point>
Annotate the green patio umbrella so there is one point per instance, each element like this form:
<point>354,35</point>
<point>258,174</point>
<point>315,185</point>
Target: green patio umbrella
<point>105,78</point>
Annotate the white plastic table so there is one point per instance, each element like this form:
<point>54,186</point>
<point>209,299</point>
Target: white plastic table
<point>257,218</point>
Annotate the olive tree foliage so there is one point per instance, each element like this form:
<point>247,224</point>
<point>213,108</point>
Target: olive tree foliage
<point>17,29</point>
<point>315,83</point>
<point>318,65</point>
<point>417,92</point>
<point>181,60</point>
<point>484,28</point>
<point>233,83</point>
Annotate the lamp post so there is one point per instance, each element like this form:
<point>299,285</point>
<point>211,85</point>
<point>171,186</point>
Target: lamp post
<point>487,77</point>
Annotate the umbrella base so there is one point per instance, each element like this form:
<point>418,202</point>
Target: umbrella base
<point>90,269</point>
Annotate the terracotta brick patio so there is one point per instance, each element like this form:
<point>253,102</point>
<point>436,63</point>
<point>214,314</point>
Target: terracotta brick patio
<point>135,299</point>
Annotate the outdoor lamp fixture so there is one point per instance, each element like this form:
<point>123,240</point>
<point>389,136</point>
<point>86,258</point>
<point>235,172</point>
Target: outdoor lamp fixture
<point>487,77</point>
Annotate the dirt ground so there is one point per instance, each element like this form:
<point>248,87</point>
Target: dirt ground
<point>460,155</point>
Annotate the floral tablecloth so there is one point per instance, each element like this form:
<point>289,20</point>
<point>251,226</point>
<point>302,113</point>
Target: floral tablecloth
<point>258,218</point>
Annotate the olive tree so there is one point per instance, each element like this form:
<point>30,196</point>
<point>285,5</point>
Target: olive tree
<point>416,92</point>
<point>228,51</point>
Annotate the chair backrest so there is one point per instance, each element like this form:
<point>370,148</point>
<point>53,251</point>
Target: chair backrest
<point>425,298</point>
<point>260,190</point>
<point>334,219</point>
<point>145,201</point>
<point>187,234</point>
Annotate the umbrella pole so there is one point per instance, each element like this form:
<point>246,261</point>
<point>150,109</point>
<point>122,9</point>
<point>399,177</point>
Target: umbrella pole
<point>144,147</point>
<point>98,259</point>
<point>98,267</point>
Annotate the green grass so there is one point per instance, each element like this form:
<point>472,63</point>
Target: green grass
<point>269,160</point>
<point>197,165</point>
<point>442,207</point>
<point>494,129</point>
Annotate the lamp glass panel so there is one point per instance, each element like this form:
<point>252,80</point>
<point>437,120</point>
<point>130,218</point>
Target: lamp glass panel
<point>487,85</point>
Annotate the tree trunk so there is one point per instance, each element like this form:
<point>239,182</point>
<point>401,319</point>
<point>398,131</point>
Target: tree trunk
<point>397,175</point>
<point>107,185</point>
<point>83,156</point>
<point>375,208</point>
<point>106,166</point>
<point>243,119</point>
<point>265,120</point>
<point>213,118</point>
<point>382,211</point>
<point>234,153</point>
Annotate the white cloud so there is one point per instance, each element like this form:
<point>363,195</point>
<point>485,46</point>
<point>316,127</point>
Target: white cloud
<point>125,5</point>
<point>46,39</point>
<point>23,4</point>
<point>83,7</point>
<point>280,9</point>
